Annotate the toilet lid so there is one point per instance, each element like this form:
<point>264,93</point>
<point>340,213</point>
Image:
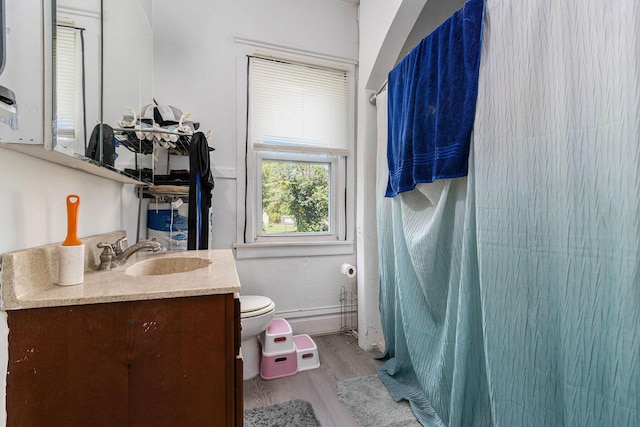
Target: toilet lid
<point>254,305</point>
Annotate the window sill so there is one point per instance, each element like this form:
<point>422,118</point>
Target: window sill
<point>292,249</point>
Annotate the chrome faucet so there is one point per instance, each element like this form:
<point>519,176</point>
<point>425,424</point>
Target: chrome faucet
<point>114,255</point>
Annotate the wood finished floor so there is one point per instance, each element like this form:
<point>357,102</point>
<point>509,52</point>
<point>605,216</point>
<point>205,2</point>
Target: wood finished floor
<point>340,358</point>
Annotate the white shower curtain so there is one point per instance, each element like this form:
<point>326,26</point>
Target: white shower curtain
<point>512,297</point>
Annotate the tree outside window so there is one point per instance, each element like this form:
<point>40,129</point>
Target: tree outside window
<point>295,197</point>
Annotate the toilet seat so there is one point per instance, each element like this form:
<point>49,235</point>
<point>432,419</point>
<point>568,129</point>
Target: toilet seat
<point>255,305</point>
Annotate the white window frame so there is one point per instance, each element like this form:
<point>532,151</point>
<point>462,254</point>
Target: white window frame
<point>251,243</point>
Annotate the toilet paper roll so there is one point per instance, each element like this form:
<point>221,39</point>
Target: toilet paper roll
<point>348,270</point>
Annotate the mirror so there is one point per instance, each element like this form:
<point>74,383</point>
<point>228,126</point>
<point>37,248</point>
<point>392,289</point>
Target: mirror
<point>77,75</point>
<point>103,72</point>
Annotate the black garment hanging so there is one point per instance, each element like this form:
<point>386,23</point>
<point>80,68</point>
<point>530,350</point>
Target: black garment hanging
<point>200,186</point>
<point>108,145</point>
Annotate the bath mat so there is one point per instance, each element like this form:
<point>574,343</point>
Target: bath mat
<point>294,413</point>
<point>371,404</point>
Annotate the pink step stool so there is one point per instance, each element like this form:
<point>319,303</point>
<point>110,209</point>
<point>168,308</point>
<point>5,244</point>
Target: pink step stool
<point>280,365</point>
<point>278,338</point>
<point>306,352</point>
<point>279,357</point>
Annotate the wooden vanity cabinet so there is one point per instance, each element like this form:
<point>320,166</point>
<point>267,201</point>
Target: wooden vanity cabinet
<point>163,362</point>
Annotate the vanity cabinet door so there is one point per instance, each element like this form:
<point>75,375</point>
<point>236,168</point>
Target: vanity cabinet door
<point>181,362</point>
<point>141,363</point>
<point>67,366</point>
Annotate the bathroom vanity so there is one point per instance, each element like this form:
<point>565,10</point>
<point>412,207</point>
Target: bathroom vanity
<point>137,347</point>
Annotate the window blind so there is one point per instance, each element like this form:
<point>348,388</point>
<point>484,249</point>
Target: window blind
<point>297,107</point>
<point>66,55</point>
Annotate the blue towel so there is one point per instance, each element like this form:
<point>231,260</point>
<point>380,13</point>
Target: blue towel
<point>432,96</point>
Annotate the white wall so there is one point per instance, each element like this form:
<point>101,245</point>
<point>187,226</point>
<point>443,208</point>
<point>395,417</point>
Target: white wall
<point>195,70</point>
<point>432,15</point>
<point>33,208</point>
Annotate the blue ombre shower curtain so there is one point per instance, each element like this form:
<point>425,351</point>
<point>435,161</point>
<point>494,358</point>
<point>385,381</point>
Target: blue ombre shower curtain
<point>511,297</point>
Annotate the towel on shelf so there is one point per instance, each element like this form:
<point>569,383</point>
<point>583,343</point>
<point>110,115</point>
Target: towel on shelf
<point>102,147</point>
<point>432,96</point>
<point>200,186</point>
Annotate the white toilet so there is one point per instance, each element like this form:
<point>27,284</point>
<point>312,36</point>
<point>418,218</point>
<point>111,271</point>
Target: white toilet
<point>256,312</point>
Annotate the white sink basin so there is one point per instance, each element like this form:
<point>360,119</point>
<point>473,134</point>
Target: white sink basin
<point>167,265</point>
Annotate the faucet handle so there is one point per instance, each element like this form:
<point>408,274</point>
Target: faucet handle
<point>107,256</point>
<point>118,246</point>
<point>108,248</point>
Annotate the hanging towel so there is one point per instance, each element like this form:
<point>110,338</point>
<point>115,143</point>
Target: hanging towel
<point>200,186</point>
<point>432,100</point>
<point>104,152</point>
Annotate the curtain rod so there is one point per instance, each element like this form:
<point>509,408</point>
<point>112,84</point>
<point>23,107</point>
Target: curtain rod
<point>372,98</point>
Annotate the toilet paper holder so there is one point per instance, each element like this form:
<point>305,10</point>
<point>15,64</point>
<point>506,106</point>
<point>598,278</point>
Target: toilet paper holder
<point>348,270</point>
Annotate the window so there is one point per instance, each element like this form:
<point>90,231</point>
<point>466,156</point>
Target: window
<point>299,132</point>
<point>297,194</point>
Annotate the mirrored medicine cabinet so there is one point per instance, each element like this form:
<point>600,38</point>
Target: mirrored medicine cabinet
<point>102,79</point>
<point>96,70</point>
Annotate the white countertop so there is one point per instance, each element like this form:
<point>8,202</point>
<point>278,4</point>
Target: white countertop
<point>28,279</point>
